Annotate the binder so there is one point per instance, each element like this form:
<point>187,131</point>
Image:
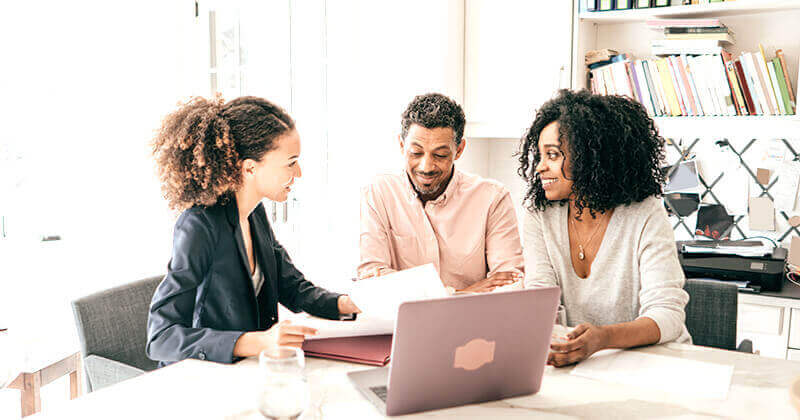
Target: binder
<point>623,5</point>
<point>643,4</point>
<point>661,3</point>
<point>607,4</point>
<point>591,5</point>
<point>373,350</point>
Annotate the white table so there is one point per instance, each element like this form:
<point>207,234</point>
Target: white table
<point>195,389</point>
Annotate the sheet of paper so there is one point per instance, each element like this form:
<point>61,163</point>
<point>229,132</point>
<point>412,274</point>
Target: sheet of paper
<point>773,153</point>
<point>785,189</point>
<point>732,190</point>
<point>762,214</point>
<point>380,297</point>
<point>363,325</point>
<point>671,374</point>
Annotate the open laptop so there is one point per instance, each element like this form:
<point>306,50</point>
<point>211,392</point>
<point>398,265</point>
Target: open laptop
<point>464,349</point>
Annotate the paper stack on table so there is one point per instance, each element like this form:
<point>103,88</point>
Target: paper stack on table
<point>379,298</point>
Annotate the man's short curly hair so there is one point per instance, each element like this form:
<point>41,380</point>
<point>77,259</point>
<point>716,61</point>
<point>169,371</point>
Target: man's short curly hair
<point>200,146</point>
<point>613,146</point>
<point>434,110</point>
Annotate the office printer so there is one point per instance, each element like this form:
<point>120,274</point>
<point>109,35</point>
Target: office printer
<point>763,273</point>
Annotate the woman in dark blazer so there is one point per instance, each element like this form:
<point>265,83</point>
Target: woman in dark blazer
<point>219,299</point>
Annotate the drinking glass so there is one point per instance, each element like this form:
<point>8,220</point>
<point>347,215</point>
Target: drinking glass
<point>285,392</point>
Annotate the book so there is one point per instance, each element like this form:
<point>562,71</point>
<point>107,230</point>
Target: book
<point>685,46</point>
<point>726,95</point>
<point>697,30</point>
<point>669,88</point>
<point>776,88</point>
<point>591,5</point>
<point>703,92</point>
<point>651,71</point>
<point>684,61</point>
<point>724,37</point>
<point>678,85</point>
<point>779,54</point>
<point>681,22</point>
<point>646,88</point>
<point>781,79</point>
<point>748,98</point>
<point>730,72</point>
<point>769,91</point>
<point>754,84</point>
<point>683,81</point>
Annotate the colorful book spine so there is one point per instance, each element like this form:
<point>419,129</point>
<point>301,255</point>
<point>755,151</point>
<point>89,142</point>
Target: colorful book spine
<point>669,87</point>
<point>775,89</point>
<point>748,98</point>
<point>780,76</point>
<point>779,54</point>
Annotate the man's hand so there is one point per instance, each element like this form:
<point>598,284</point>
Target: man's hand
<point>585,340</point>
<point>281,334</point>
<point>503,278</point>
<point>346,306</point>
<point>376,272</point>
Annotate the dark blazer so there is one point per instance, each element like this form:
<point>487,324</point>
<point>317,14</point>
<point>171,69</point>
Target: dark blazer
<point>207,299</point>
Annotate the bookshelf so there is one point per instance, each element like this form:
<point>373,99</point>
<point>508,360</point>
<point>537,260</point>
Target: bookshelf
<point>771,23</point>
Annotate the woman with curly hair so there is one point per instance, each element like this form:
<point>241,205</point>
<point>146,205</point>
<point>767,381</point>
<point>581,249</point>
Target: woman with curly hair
<point>596,226</point>
<point>219,299</point>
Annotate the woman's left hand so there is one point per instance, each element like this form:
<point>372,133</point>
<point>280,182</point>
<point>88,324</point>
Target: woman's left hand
<point>583,341</point>
<point>346,306</point>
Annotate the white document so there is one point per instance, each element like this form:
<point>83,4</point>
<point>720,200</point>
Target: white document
<point>785,189</point>
<point>362,326</point>
<point>380,297</point>
<point>671,374</point>
<point>732,191</point>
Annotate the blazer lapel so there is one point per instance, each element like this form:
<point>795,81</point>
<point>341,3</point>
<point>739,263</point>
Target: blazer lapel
<point>233,218</point>
<point>268,297</point>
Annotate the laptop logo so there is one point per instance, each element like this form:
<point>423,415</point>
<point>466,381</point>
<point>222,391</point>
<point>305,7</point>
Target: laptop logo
<point>474,354</point>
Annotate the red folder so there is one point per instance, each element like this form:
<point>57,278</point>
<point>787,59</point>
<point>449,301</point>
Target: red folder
<point>368,350</point>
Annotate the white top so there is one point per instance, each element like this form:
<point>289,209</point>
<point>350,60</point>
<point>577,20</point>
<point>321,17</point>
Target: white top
<point>635,273</point>
<point>257,277</point>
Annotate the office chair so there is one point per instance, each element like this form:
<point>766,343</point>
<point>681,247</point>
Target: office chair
<point>112,328</point>
<point>711,314</point>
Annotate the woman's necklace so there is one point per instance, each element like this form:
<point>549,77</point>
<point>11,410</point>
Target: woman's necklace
<point>581,254</point>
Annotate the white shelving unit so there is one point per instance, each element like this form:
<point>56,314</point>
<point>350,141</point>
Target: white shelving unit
<point>774,24</point>
<point>767,321</point>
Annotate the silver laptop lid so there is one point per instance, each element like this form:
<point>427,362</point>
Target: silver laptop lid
<point>467,349</point>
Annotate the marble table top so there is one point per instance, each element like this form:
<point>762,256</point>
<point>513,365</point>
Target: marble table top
<point>196,389</point>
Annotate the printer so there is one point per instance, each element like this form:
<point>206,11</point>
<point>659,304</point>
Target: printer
<point>762,273</point>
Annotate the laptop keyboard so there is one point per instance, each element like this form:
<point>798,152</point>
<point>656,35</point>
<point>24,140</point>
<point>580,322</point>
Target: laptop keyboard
<point>380,391</point>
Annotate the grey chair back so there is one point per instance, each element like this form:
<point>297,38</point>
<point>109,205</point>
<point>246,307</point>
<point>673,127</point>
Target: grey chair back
<point>112,327</point>
<point>711,312</point>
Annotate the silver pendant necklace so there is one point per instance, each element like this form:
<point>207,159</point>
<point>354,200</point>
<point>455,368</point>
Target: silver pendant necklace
<point>581,254</point>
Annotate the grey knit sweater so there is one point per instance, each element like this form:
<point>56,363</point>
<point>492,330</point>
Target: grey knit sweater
<point>635,274</point>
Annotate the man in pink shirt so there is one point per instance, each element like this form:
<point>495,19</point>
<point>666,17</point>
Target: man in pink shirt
<point>433,213</point>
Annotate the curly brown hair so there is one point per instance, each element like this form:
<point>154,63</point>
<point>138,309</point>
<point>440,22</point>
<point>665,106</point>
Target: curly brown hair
<point>200,146</point>
<point>614,147</point>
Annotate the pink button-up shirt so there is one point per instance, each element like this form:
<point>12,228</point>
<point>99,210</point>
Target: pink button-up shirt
<point>469,232</point>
